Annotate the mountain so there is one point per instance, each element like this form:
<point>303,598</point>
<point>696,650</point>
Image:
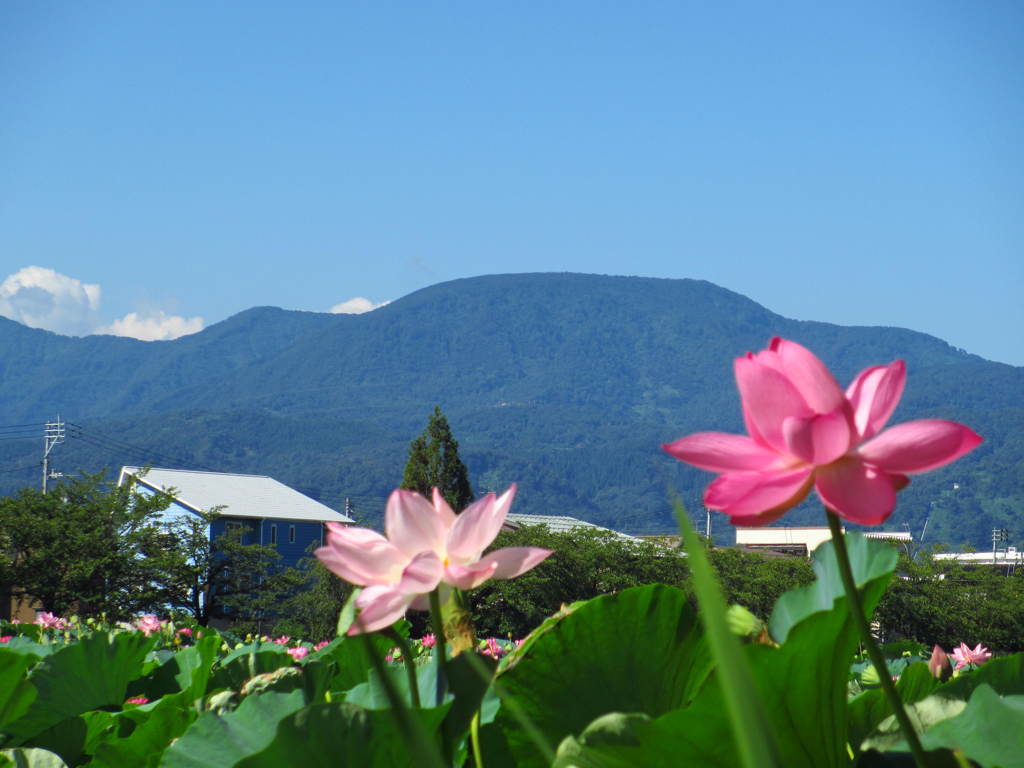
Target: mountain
<point>564,383</point>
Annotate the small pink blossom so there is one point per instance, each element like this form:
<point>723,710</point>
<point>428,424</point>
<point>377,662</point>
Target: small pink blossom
<point>282,640</point>
<point>427,545</point>
<point>966,656</point>
<point>185,632</point>
<point>298,653</point>
<point>148,624</point>
<point>321,645</point>
<point>47,620</point>
<point>6,638</point>
<point>137,701</point>
<point>804,432</point>
<point>428,641</point>
<point>493,649</point>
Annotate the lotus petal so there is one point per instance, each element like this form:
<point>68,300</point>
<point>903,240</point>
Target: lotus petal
<point>413,524</point>
<point>722,452</point>
<point>856,491</point>
<point>918,446</point>
<point>874,395</point>
<point>477,527</point>
<point>752,493</point>
<point>809,375</point>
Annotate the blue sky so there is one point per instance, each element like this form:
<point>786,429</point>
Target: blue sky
<point>857,164</point>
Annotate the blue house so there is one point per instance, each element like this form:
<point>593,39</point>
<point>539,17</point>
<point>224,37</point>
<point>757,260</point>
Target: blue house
<point>269,512</point>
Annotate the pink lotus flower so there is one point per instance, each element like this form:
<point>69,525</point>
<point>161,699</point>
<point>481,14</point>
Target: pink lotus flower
<point>138,701</point>
<point>148,624</point>
<point>282,640</point>
<point>185,632</point>
<point>321,645</point>
<point>6,638</point>
<point>966,656</point>
<point>493,649</point>
<point>298,653</point>
<point>428,641</point>
<point>426,545</point>
<point>805,431</point>
<point>47,620</point>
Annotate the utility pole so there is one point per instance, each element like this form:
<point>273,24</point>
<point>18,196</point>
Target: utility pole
<point>999,536</point>
<point>348,508</point>
<point>53,434</point>
<point>707,524</point>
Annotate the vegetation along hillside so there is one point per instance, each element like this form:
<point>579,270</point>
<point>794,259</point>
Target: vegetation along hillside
<point>565,383</point>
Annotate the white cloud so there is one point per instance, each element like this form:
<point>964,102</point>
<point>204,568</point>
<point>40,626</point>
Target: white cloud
<point>153,326</point>
<point>41,298</point>
<point>355,306</point>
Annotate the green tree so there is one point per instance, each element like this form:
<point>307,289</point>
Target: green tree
<point>944,602</point>
<point>226,579</point>
<point>756,581</point>
<point>312,612</point>
<point>586,562</point>
<point>83,547</point>
<point>247,585</point>
<point>434,462</point>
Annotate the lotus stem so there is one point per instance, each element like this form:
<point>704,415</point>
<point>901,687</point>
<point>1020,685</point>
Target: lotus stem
<point>410,667</point>
<point>874,652</point>
<point>474,740</point>
<point>439,656</point>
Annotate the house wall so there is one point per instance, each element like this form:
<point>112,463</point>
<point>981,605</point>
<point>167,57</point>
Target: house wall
<point>259,531</point>
<point>305,534</point>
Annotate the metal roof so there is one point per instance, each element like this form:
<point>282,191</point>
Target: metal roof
<point>240,495</point>
<point>556,523</point>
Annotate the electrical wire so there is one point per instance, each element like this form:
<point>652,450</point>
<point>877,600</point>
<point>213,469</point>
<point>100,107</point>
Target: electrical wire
<point>80,432</point>
<point>19,469</point>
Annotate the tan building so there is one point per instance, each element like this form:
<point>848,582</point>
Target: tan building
<point>802,540</point>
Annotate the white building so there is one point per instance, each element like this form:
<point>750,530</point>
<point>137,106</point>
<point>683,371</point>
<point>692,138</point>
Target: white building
<point>1010,556</point>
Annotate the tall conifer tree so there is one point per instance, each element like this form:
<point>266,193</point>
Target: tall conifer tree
<point>434,462</point>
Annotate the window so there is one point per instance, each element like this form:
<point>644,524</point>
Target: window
<point>273,535</point>
<point>291,534</point>
<point>235,530</point>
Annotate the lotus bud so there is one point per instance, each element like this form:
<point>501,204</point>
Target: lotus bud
<point>869,677</point>
<point>741,621</point>
<point>939,664</point>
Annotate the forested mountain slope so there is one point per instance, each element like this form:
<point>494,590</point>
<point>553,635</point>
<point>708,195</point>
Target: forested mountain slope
<point>565,383</point>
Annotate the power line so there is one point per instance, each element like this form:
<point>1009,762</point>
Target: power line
<point>96,444</point>
<point>19,469</point>
<point>81,432</point>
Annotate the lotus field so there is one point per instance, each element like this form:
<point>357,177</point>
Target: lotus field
<point>649,676</point>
